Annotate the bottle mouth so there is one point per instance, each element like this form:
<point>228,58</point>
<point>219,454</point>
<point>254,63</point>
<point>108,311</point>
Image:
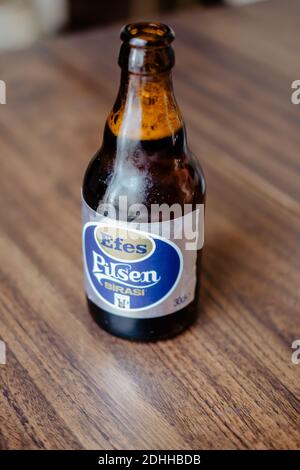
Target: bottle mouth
<point>147,34</point>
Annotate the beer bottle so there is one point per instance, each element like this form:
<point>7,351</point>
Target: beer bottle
<point>143,201</point>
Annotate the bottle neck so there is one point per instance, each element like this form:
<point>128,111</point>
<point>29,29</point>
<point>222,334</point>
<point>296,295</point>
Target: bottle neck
<point>145,108</point>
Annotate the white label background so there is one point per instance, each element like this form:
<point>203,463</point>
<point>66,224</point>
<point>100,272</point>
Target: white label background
<point>186,284</point>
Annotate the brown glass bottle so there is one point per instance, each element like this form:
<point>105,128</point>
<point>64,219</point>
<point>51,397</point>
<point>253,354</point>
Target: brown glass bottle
<point>144,156</point>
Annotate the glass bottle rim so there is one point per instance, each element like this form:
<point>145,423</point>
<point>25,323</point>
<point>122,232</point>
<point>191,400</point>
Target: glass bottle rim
<point>147,34</point>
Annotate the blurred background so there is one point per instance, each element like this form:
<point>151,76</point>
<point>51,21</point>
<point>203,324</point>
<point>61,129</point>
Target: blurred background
<point>22,22</point>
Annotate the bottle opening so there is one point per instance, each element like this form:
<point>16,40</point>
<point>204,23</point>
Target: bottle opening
<point>147,34</point>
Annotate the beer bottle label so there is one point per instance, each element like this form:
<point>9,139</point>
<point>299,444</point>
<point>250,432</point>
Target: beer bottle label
<point>141,270</point>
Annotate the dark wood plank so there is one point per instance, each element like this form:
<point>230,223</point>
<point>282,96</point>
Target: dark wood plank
<point>228,382</point>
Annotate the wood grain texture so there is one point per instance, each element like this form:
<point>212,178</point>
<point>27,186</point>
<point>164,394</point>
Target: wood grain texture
<point>227,382</point>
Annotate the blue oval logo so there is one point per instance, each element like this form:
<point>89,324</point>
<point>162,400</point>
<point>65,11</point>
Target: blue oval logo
<point>130,269</point>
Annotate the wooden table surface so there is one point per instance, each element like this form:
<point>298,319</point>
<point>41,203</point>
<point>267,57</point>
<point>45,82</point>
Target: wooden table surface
<point>227,382</point>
